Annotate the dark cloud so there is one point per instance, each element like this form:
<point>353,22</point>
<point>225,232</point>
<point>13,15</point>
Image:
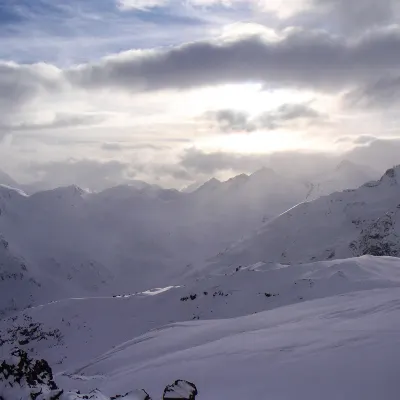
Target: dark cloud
<point>288,113</point>
<point>382,92</point>
<point>233,121</point>
<point>20,84</point>
<point>360,14</point>
<point>301,59</point>
<point>312,59</point>
<point>110,146</point>
<point>61,120</point>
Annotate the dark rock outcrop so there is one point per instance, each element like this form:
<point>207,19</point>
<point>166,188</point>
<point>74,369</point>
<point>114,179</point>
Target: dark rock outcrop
<point>23,378</point>
<point>180,390</point>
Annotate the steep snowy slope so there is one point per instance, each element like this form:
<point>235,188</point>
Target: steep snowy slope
<point>75,330</point>
<point>231,210</point>
<point>347,175</point>
<point>6,179</point>
<point>341,225</point>
<point>344,347</point>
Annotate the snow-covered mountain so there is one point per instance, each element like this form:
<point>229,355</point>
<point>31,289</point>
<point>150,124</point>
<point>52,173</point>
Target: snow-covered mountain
<point>6,179</point>
<point>346,175</point>
<point>73,242</point>
<point>297,300</point>
<point>128,238</point>
<point>343,224</point>
<point>262,317</point>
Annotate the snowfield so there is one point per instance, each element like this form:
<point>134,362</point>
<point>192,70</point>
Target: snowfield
<point>225,332</point>
<point>343,347</point>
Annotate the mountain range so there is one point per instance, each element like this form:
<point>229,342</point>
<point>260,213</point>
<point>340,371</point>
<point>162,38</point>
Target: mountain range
<point>137,286</point>
<point>68,242</point>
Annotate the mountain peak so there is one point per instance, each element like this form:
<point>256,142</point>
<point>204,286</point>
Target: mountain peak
<point>345,165</point>
<point>264,171</point>
<point>391,175</point>
<point>211,184</point>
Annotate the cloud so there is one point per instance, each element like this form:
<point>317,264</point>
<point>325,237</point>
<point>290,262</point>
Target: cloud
<point>87,173</point>
<point>198,161</point>
<point>282,10</point>
<point>110,146</point>
<point>114,146</point>
<point>381,92</point>
<point>20,84</point>
<point>379,154</point>
<point>297,164</point>
<point>288,113</point>
<point>234,121</point>
<point>360,14</point>
<point>300,59</point>
<point>142,5</point>
<point>60,120</point>
<point>358,140</point>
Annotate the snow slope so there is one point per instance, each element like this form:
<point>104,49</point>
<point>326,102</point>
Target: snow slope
<point>341,225</point>
<point>73,331</point>
<point>343,347</point>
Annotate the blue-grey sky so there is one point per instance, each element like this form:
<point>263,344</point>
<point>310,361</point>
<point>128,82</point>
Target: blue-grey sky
<point>147,84</point>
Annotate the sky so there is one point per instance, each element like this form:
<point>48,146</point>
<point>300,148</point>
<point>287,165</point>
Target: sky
<point>103,92</point>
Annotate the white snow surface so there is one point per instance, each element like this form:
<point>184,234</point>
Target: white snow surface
<point>259,328</point>
<point>344,347</point>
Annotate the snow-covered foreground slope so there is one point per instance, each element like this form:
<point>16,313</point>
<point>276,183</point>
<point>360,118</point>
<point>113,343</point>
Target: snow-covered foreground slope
<point>341,225</point>
<point>344,347</point>
<point>73,331</point>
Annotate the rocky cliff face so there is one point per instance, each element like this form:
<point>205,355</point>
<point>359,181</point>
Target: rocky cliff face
<point>380,238</point>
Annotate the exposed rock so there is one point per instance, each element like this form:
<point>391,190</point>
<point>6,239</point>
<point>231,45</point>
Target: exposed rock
<point>23,378</point>
<point>379,238</point>
<point>180,390</point>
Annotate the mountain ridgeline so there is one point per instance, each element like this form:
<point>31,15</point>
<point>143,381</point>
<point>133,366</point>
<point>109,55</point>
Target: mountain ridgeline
<point>70,242</point>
